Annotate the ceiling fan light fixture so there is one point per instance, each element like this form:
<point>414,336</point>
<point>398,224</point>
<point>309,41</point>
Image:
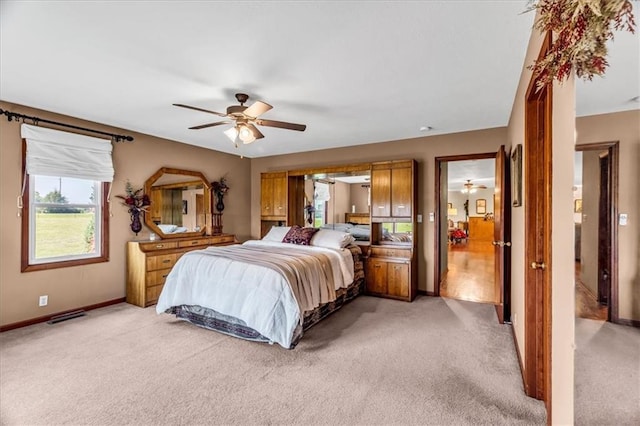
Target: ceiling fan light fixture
<point>232,133</point>
<point>245,134</point>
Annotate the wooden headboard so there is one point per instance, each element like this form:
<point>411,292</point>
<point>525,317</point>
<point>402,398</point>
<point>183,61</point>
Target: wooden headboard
<point>359,218</point>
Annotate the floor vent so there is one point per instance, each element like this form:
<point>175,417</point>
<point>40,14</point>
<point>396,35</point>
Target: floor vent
<point>67,316</point>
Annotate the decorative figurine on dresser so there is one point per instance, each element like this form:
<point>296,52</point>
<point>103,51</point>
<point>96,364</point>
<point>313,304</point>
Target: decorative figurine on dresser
<point>180,217</point>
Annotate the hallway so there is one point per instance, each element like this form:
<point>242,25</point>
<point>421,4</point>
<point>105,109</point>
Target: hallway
<point>471,272</point>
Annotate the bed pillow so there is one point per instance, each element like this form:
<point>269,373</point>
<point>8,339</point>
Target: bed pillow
<point>329,238</point>
<point>276,233</point>
<point>167,228</point>
<point>300,236</point>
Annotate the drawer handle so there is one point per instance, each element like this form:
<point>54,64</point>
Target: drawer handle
<point>193,243</point>
<point>377,266</point>
<point>159,245</point>
<point>381,207</point>
<point>401,207</point>
<point>166,261</point>
<point>165,275</point>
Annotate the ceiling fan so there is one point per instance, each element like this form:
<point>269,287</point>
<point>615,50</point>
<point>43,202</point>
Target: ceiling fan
<point>469,188</point>
<point>244,120</point>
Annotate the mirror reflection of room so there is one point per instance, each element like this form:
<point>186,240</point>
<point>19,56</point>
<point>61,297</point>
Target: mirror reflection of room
<point>177,204</point>
<point>339,201</point>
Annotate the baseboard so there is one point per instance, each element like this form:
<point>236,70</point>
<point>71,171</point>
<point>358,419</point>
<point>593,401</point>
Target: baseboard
<point>426,293</point>
<point>50,316</point>
<point>515,342</point>
<point>628,322</point>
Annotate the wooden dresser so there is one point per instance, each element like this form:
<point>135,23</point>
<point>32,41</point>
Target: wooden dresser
<point>149,263</point>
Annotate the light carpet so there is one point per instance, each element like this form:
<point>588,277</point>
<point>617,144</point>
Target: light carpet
<point>375,361</point>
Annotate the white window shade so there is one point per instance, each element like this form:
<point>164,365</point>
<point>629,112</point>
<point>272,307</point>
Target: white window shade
<point>56,153</point>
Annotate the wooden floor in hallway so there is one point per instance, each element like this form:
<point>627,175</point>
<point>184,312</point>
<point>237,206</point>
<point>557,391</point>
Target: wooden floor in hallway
<point>587,305</point>
<point>471,272</point>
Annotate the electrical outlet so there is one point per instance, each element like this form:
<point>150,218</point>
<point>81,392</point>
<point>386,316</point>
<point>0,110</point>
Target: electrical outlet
<point>43,300</point>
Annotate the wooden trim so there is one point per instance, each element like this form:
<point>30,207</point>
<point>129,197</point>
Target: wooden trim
<point>613,147</point>
<point>46,318</point>
<point>520,363</point>
<point>359,167</point>
<point>24,238</point>
<point>628,322</point>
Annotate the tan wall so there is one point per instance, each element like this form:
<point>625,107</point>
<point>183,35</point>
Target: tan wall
<point>424,150</point>
<point>562,269</point>
<point>622,127</point>
<point>70,288</point>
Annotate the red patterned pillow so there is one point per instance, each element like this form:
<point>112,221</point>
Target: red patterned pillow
<point>299,235</point>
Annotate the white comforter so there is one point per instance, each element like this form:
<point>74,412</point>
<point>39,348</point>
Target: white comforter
<point>258,295</point>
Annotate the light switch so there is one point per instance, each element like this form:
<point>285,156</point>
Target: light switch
<point>432,217</point>
<point>419,218</point>
<point>623,219</point>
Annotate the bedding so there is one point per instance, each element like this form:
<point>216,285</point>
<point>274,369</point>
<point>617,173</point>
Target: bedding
<point>261,290</point>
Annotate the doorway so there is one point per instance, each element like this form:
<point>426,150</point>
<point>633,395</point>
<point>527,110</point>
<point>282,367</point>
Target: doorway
<point>464,245</point>
<point>595,215</point>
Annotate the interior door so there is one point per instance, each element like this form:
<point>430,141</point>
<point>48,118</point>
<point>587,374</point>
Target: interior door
<point>501,236</point>
<point>538,208</point>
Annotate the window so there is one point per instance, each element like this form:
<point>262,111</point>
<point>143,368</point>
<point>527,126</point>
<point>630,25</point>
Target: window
<point>65,199</point>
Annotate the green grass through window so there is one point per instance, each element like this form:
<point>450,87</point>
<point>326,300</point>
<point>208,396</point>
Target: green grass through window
<point>62,234</point>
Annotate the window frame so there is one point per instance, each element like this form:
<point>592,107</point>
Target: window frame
<point>103,228</point>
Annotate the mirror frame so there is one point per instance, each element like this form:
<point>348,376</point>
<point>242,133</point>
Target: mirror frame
<point>206,230</point>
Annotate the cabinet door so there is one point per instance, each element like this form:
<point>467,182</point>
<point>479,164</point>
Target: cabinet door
<point>376,276</point>
<point>381,192</point>
<point>398,284</point>
<point>266,197</point>
<point>401,193</point>
<point>280,196</point>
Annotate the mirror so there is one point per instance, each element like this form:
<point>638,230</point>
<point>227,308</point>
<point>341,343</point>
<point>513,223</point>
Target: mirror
<point>339,201</point>
<point>180,203</point>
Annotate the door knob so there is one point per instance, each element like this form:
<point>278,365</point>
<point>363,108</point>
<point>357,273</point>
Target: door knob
<point>501,243</point>
<point>538,265</point>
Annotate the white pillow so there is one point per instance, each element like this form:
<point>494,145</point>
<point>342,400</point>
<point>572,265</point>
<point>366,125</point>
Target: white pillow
<point>276,233</point>
<point>329,238</point>
<point>167,228</point>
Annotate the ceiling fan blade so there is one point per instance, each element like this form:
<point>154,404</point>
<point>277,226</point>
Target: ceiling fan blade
<point>257,109</point>
<point>281,125</point>
<point>200,109</point>
<point>204,126</point>
<point>256,132</point>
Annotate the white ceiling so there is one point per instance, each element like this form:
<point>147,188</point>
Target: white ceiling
<point>354,72</point>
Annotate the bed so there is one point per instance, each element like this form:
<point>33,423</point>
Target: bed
<point>265,290</point>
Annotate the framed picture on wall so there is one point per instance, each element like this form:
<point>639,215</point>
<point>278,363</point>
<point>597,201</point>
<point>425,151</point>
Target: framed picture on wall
<point>516,176</point>
<point>481,206</point>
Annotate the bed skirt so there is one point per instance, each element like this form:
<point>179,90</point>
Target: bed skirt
<point>212,320</point>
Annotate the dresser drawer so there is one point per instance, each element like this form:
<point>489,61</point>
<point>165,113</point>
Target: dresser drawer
<point>161,261</point>
<point>194,242</point>
<point>221,239</point>
<point>389,252</point>
<point>155,278</point>
<point>153,293</point>
<point>158,245</point>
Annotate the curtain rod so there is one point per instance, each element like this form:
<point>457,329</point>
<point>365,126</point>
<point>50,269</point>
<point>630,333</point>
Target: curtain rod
<point>35,121</point>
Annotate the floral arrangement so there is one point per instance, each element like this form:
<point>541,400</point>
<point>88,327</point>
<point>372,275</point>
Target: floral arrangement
<point>220,187</point>
<point>583,28</point>
<point>136,200</point>
<point>458,234</point>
